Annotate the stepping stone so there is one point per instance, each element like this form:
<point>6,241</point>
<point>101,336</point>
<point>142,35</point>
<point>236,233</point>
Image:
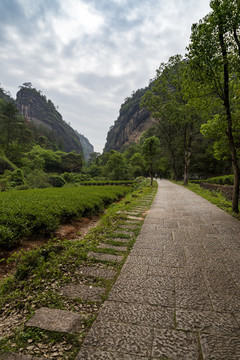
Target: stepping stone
<point>56,320</point>
<point>128,212</point>
<point>122,232</point>
<point>128,226</point>
<point>114,247</point>
<point>14,356</point>
<point>97,272</point>
<point>137,218</point>
<point>83,292</point>
<point>107,257</point>
<point>122,240</point>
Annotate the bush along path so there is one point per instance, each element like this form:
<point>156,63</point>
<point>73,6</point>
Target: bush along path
<point>49,304</point>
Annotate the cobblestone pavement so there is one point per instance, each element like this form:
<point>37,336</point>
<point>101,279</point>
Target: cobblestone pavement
<point>178,294</point>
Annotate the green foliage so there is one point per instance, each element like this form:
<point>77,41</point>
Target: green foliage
<point>221,180</point>
<point>56,181</point>
<point>17,177</point>
<point>150,148</point>
<point>27,212</point>
<point>37,179</point>
<point>214,54</point>
<point>116,167</point>
<point>52,161</point>
<point>216,130</point>
<point>69,177</point>
<point>70,162</point>
<point>5,163</point>
<point>169,102</point>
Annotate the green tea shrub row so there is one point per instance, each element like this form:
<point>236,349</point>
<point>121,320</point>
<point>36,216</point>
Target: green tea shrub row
<point>107,182</point>
<point>219,180</point>
<point>41,211</point>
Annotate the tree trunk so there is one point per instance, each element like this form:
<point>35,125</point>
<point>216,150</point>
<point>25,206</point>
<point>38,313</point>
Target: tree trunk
<point>227,106</point>
<point>235,196</point>
<point>186,166</point>
<point>151,172</point>
<point>187,153</point>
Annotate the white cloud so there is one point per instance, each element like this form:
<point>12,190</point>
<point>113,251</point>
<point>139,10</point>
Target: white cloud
<point>88,55</point>
<point>77,19</point>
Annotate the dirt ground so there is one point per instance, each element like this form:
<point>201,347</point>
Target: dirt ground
<point>76,229</point>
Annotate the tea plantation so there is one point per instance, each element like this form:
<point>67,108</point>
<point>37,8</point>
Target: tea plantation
<point>41,211</point>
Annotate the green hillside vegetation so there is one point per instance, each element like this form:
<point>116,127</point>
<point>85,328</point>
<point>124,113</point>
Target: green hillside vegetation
<point>29,159</point>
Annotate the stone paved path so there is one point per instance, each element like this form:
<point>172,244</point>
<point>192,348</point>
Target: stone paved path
<point>178,294</point>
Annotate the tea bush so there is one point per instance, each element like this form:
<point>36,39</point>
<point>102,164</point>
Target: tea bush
<point>41,211</point>
<point>221,180</point>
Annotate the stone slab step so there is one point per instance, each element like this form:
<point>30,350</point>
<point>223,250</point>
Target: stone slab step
<point>107,257</point>
<point>127,227</point>
<point>129,212</point>
<point>83,292</point>
<point>122,232</point>
<point>56,320</point>
<point>113,247</point>
<point>95,271</point>
<point>137,218</point>
<point>121,240</point>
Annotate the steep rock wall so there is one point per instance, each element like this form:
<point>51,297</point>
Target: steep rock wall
<point>42,112</point>
<point>132,121</point>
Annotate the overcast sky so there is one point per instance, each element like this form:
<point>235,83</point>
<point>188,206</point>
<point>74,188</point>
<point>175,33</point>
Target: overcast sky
<point>87,56</point>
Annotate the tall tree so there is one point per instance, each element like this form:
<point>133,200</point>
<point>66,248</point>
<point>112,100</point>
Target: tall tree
<point>150,148</point>
<point>168,100</point>
<point>116,167</point>
<point>214,52</point>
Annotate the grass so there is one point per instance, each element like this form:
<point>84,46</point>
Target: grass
<point>40,274</point>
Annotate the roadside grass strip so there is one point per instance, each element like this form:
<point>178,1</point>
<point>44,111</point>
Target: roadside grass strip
<point>61,276</point>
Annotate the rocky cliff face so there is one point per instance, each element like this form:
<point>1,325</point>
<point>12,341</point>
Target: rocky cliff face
<point>132,121</point>
<point>42,113</point>
<point>87,147</point>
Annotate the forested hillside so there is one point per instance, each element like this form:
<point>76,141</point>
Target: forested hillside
<point>193,103</point>
<point>36,145</point>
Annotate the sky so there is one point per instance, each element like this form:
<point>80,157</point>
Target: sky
<point>87,56</point>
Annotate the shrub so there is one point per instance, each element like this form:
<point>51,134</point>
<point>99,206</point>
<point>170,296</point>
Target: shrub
<point>221,180</point>
<point>37,179</point>
<point>69,177</point>
<point>84,177</point>
<point>4,184</point>
<point>56,180</point>
<point>17,177</point>
<point>5,164</point>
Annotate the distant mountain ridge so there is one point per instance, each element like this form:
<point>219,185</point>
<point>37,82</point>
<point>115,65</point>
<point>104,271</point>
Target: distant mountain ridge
<point>131,122</point>
<point>42,116</point>
<point>87,147</point>
<point>42,112</point>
